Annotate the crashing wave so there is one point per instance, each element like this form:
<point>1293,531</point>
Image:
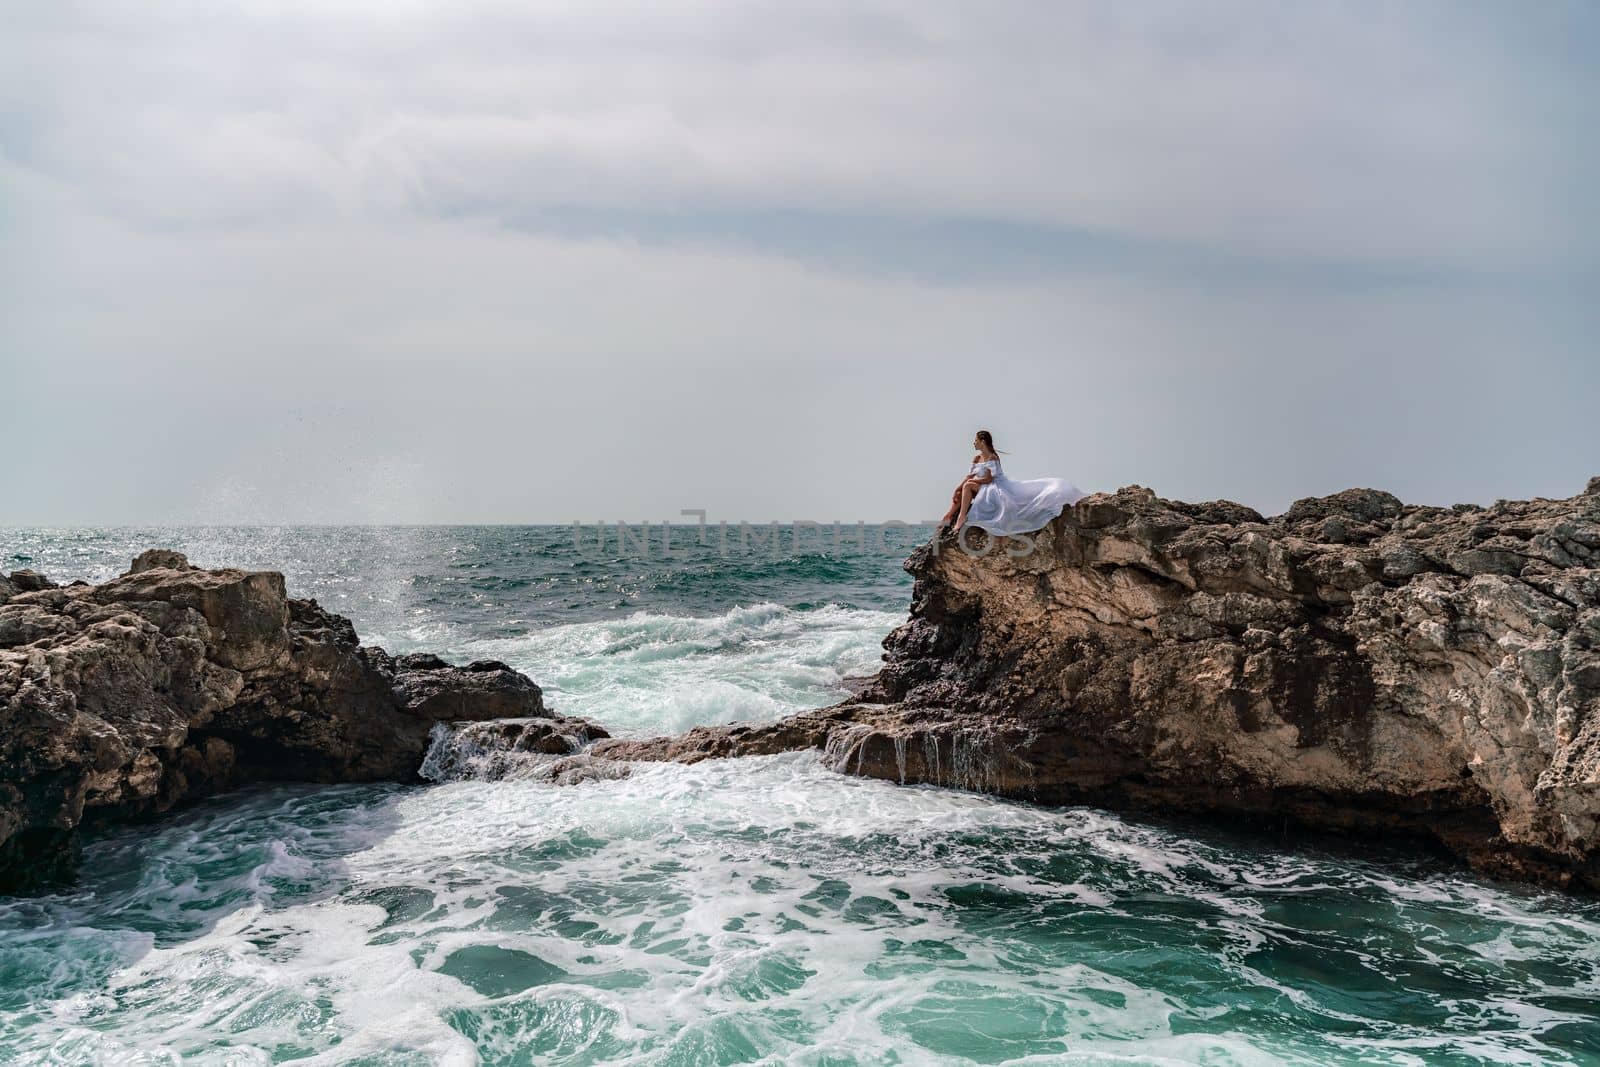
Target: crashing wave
<point>534,749</point>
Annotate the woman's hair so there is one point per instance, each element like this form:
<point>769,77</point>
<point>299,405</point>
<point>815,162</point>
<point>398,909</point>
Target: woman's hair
<point>988,441</point>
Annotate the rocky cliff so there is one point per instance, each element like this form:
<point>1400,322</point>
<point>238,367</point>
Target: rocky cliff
<point>1354,664</point>
<point>170,682</point>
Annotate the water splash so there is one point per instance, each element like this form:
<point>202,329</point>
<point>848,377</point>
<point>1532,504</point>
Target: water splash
<point>974,763</point>
<point>844,744</point>
<point>513,749</point>
<point>649,674</point>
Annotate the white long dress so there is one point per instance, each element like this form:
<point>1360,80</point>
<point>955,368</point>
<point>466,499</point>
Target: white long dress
<point>1006,506</point>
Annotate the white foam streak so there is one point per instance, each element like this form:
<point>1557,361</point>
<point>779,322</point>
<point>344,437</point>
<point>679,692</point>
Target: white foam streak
<point>648,673</point>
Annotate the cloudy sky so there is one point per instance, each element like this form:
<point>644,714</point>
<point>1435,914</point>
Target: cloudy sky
<point>427,262</point>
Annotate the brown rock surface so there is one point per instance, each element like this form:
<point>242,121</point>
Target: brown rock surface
<point>171,682</point>
<point>1354,664</point>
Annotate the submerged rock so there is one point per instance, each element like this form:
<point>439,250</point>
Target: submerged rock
<point>172,682</point>
<point>1354,664</point>
<point>538,749</point>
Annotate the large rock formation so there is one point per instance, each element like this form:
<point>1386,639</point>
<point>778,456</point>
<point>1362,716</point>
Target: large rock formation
<point>1353,664</point>
<point>170,682</point>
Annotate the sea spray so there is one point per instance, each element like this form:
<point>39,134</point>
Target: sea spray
<point>506,749</point>
<point>646,673</point>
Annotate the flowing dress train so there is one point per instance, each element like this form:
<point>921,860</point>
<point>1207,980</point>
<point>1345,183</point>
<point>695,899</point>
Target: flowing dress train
<point>1006,506</point>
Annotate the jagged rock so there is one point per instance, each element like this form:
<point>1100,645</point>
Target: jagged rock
<point>519,748</point>
<point>164,558</point>
<point>1354,664</point>
<point>431,689</point>
<point>27,581</point>
<point>171,682</point>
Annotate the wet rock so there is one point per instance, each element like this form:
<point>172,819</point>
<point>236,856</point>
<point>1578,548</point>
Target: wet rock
<point>518,749</point>
<point>119,700</point>
<point>575,770</point>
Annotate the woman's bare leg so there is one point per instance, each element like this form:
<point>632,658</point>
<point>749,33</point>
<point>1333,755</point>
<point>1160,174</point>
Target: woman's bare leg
<point>967,491</point>
<point>955,506</point>
<point>955,503</point>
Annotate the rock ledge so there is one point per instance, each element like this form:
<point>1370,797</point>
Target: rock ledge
<point>1355,665</point>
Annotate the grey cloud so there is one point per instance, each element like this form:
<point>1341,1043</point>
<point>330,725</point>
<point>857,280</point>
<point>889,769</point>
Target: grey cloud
<point>429,262</point>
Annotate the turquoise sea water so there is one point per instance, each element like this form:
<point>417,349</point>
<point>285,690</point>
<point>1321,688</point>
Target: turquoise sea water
<point>759,911</point>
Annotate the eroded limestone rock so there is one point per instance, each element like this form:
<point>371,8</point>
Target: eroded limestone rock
<point>1354,664</point>
<point>172,682</point>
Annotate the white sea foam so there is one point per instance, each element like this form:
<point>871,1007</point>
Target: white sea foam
<point>763,910</point>
<point>649,673</point>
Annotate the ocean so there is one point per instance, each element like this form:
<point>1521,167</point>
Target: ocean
<point>752,911</point>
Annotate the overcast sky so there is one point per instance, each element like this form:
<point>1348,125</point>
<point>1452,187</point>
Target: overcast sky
<point>430,262</point>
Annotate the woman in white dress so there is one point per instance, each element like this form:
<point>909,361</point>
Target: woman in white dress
<point>1003,506</point>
